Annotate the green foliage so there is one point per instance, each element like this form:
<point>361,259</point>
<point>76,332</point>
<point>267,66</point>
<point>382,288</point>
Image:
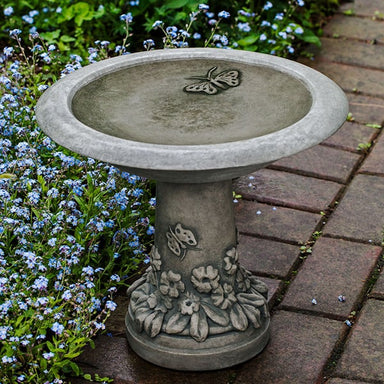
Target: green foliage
<point>69,24</point>
<point>74,25</point>
<point>72,230</point>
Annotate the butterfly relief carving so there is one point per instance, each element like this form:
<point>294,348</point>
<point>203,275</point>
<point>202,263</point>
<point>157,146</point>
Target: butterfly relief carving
<point>212,84</point>
<point>180,240</point>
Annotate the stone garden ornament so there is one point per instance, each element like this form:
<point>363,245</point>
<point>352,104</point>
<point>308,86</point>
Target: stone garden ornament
<point>194,119</point>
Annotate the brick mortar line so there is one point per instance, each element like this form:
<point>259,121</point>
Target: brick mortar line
<point>358,39</point>
<point>357,379</point>
<point>313,313</point>
<point>314,175</point>
<point>338,350</point>
<point>359,15</point>
<point>352,240</point>
<point>335,61</point>
<point>324,59</point>
<point>363,296</point>
<point>357,307</point>
<point>271,238</point>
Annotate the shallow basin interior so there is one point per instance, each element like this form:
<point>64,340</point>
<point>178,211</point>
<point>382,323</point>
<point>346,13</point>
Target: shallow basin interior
<point>192,102</point>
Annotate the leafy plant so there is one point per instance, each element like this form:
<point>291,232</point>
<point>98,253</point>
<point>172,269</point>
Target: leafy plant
<point>72,230</point>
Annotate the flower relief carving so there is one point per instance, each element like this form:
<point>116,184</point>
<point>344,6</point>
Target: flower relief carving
<point>220,301</point>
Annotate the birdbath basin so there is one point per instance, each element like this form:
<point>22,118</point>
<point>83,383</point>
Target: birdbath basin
<point>194,119</point>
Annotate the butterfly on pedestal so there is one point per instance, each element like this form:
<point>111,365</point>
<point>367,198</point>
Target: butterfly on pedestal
<point>214,84</point>
<point>180,240</point>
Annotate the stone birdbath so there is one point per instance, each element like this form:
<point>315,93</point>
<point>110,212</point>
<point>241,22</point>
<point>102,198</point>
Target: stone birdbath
<point>193,120</point>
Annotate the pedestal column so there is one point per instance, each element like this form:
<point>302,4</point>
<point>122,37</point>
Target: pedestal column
<point>197,308</point>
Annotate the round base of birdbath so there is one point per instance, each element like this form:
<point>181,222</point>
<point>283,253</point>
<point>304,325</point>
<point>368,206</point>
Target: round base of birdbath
<point>196,308</point>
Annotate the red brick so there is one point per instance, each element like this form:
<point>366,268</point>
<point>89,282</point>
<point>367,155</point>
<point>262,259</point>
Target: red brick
<point>344,381</point>
<point>366,110</point>
<point>321,161</point>
<point>364,7</point>
<point>300,346</point>
<point>375,161</point>
<point>355,28</point>
<point>336,267</point>
<point>363,355</point>
<point>267,257</point>
<point>288,189</point>
<point>350,78</point>
<point>350,135</point>
<point>351,52</point>
<point>360,215</point>
<point>378,289</point>
<point>264,220</point>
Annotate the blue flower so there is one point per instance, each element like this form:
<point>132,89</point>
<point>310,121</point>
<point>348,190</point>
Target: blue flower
<point>148,44</point>
<point>150,230</point>
<point>203,7</point>
<point>14,33</point>
<point>57,328</point>
<point>8,51</point>
<point>127,17</point>
<point>111,305</point>
<point>263,37</point>
<point>28,19</point>
<point>115,278</point>
<point>244,27</point>
<point>8,11</point>
<point>67,295</point>
<point>268,5</point>
<point>279,16</point>
<point>40,284</point>
<point>157,24</point>
<point>48,355</point>
<point>88,271</point>
<point>224,14</point>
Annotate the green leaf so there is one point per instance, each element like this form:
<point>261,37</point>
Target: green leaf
<point>67,39</point>
<point>51,36</point>
<point>377,126</point>
<point>8,176</point>
<point>248,40</point>
<point>82,12</point>
<point>349,12</point>
<point>75,368</point>
<point>51,347</point>
<point>176,4</point>
<point>310,38</point>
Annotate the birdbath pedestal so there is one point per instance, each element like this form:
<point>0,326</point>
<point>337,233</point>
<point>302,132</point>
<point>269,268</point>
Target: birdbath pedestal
<point>194,119</point>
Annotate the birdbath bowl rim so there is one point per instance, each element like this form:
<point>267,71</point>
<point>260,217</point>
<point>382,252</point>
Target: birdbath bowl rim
<point>279,107</point>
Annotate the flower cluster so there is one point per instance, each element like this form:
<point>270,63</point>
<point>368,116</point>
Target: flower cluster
<point>63,225</point>
<point>272,30</point>
<point>179,38</point>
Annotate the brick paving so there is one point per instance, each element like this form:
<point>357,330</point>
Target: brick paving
<point>333,190</point>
